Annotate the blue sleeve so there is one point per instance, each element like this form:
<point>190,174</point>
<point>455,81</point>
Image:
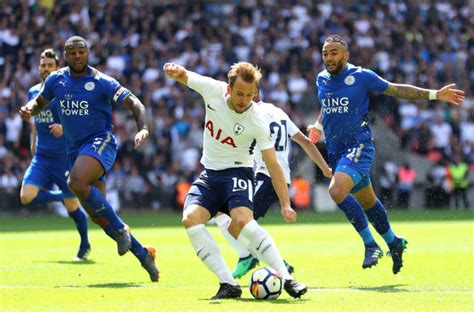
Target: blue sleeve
<point>48,87</point>
<point>114,91</point>
<point>374,82</point>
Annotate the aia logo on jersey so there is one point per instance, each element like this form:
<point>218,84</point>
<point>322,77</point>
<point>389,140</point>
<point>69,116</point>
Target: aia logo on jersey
<point>238,129</point>
<point>218,134</point>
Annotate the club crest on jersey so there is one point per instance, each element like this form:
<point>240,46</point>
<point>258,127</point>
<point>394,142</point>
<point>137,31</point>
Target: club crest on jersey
<point>89,86</point>
<point>349,80</point>
<point>238,128</point>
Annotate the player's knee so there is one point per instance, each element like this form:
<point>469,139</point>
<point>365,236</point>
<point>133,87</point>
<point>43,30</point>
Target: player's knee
<point>78,187</point>
<point>189,220</point>
<point>337,193</point>
<point>240,220</point>
<point>26,197</point>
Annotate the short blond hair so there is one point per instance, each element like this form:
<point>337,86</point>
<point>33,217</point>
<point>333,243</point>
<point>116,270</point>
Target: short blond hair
<point>248,72</point>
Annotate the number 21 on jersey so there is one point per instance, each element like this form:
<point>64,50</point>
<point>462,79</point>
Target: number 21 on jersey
<point>281,131</point>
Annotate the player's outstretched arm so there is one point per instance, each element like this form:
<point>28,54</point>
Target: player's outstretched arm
<point>315,130</point>
<point>409,92</point>
<point>33,107</point>
<point>176,72</point>
<point>312,152</point>
<point>279,184</point>
<point>133,104</point>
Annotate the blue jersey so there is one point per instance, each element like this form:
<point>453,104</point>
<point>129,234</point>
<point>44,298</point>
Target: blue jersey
<point>46,143</point>
<point>344,102</point>
<point>84,103</point>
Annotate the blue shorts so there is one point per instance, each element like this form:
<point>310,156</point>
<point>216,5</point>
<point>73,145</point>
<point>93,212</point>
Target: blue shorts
<point>264,197</point>
<point>356,162</point>
<point>103,148</point>
<point>222,190</point>
<point>44,170</point>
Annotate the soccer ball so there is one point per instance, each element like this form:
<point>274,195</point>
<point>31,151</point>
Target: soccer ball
<point>265,284</point>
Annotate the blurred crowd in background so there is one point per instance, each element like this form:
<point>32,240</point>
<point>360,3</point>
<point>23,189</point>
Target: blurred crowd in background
<point>425,43</point>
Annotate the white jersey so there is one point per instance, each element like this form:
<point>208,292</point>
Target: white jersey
<point>230,138</point>
<point>282,129</point>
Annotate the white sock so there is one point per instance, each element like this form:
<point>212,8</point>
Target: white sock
<point>208,251</point>
<point>262,245</point>
<point>223,222</point>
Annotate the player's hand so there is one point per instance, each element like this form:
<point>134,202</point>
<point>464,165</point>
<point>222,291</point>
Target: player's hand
<point>327,172</point>
<point>173,70</point>
<point>56,129</point>
<point>289,215</point>
<point>314,134</point>
<point>450,95</point>
<point>25,113</point>
<point>140,137</point>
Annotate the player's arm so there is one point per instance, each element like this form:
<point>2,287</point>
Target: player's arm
<point>279,183</point>
<point>312,152</point>
<point>409,92</point>
<point>137,108</point>
<point>316,130</point>
<point>33,107</point>
<point>176,72</point>
<point>33,138</point>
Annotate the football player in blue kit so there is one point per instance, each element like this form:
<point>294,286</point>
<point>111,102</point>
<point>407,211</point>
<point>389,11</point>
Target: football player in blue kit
<point>85,97</point>
<point>343,91</point>
<point>48,147</point>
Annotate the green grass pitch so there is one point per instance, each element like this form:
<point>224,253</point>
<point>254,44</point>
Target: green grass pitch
<point>37,274</point>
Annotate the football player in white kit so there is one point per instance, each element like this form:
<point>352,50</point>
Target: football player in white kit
<point>282,129</point>
<point>234,127</point>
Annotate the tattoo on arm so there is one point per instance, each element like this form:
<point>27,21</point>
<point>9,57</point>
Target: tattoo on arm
<point>133,104</point>
<point>406,92</point>
<point>39,104</point>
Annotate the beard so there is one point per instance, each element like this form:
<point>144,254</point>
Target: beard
<point>337,69</point>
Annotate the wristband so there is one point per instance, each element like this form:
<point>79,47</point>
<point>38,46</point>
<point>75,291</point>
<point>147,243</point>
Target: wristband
<point>433,95</point>
<point>318,126</point>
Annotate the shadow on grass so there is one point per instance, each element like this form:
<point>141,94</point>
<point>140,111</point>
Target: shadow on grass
<point>397,288</point>
<point>273,301</point>
<point>115,285</point>
<point>82,262</point>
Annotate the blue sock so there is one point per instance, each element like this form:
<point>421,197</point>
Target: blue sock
<point>81,224</point>
<point>46,197</point>
<point>109,231</point>
<point>137,249</point>
<point>377,215</point>
<point>355,214</point>
<point>97,201</point>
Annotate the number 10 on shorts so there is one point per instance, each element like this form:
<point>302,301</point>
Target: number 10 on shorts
<point>240,185</point>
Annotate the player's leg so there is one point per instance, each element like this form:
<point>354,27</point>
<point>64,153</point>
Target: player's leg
<point>145,254</point>
<point>79,218</point>
<point>35,179</point>
<point>246,260</point>
<point>377,215</point>
<point>351,168</point>
<point>58,173</point>
<point>205,246</point>
<point>261,244</point>
<point>339,189</point>
<point>85,171</point>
